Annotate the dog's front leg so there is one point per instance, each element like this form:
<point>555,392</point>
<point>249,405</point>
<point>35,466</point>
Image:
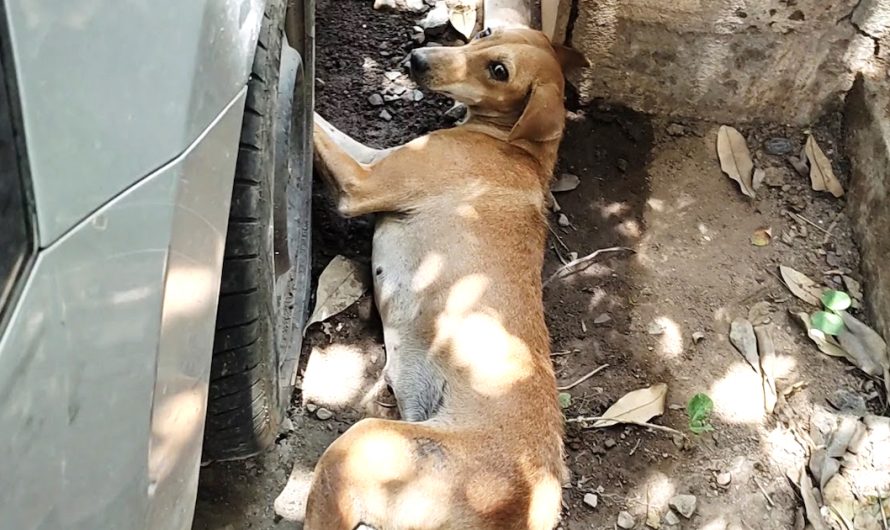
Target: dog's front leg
<point>360,187</point>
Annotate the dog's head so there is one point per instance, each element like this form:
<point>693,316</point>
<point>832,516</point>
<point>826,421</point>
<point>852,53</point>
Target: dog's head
<point>509,75</point>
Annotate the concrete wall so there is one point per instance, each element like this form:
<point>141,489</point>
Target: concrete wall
<point>727,60</point>
<point>867,121</point>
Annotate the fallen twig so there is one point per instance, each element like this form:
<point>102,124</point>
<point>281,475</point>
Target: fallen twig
<point>583,259</point>
<point>636,446</point>
<point>763,491</point>
<point>883,513</point>
<point>583,378</point>
<point>586,419</point>
<point>561,352</point>
<point>811,223</point>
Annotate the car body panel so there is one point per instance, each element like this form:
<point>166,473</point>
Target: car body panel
<point>105,361</point>
<point>111,90</point>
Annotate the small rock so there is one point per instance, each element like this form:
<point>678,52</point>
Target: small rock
<point>436,20</point>
<point>675,129</point>
<point>849,402</point>
<point>622,165</point>
<point>670,518</point>
<point>399,90</point>
<point>697,336</point>
<point>563,220</point>
<point>419,37</point>
<point>610,443</point>
<point>602,319</point>
<point>400,5</point>
<point>591,499</point>
<point>287,425</point>
<point>565,182</point>
<point>392,75</point>
<point>417,95</point>
<point>778,146</point>
<point>311,407</point>
<point>385,115</point>
<point>375,100</point>
<point>626,520</point>
<point>787,237</point>
<point>832,259</point>
<point>323,414</point>
<point>684,504</point>
<point>723,479</point>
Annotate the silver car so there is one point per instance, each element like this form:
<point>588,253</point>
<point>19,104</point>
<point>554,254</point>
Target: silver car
<point>155,184</point>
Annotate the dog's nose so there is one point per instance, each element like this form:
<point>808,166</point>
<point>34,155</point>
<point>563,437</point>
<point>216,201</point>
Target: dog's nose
<point>419,63</point>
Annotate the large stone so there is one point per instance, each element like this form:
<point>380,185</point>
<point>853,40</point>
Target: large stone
<point>868,146</point>
<point>722,60</point>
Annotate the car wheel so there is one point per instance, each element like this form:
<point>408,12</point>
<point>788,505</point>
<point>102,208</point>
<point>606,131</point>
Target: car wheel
<point>264,289</point>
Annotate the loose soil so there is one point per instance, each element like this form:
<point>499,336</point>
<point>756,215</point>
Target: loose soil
<point>650,185</point>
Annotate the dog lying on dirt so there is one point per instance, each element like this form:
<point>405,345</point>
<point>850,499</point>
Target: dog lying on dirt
<point>457,260</point>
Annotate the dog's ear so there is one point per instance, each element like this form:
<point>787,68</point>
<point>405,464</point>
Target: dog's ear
<point>569,58</point>
<point>544,116</point>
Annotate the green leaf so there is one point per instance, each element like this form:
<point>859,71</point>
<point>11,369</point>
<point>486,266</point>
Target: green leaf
<point>565,399</point>
<point>699,411</point>
<point>827,323</point>
<point>836,300</point>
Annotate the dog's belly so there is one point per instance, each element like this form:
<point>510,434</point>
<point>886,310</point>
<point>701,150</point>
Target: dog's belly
<point>403,269</point>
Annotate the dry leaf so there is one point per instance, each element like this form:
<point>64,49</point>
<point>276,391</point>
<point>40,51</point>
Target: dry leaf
<point>821,175</point>
<point>341,283</point>
<point>566,182</point>
<point>811,504</point>
<point>865,348</point>
<point>826,343</point>
<point>741,335</point>
<point>735,159</point>
<point>761,237</point>
<point>802,286</point>
<point>638,406</point>
<point>462,14</point>
<point>757,179</point>
<point>766,350</point>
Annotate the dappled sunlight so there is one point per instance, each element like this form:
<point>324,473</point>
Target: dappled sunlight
<point>493,358</point>
<point>655,204</point>
<point>175,423</point>
<point>615,209</point>
<point>291,502</point>
<point>738,396</point>
<point>656,490</point>
<point>596,299</point>
<point>783,448</point>
<point>427,272</point>
<point>629,229</point>
<point>335,376</point>
<point>715,524</point>
<point>188,290</point>
<point>545,496</point>
<point>375,457</point>
<point>670,342</point>
<point>424,504</point>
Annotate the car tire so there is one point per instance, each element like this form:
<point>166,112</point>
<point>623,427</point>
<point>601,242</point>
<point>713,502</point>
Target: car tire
<point>264,289</point>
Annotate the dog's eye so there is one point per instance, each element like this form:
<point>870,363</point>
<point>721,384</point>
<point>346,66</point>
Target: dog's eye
<point>482,34</point>
<point>498,71</point>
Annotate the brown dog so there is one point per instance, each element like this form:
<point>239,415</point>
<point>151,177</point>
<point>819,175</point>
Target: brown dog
<point>457,266</point>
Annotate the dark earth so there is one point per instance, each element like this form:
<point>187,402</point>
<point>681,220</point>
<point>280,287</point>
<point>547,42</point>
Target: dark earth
<point>655,187</point>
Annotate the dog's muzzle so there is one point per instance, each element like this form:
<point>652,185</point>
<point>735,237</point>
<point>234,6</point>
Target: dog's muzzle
<point>419,64</point>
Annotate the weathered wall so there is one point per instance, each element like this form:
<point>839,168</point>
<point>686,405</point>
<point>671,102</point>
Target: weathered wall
<point>734,60</point>
<point>867,121</point>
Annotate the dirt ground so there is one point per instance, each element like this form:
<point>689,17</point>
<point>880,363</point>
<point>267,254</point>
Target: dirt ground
<point>647,184</point>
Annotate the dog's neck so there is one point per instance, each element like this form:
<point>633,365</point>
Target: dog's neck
<point>499,127</point>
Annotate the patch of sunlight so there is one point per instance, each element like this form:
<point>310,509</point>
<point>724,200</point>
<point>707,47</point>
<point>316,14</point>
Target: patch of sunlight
<point>670,342</point>
<point>704,231</point>
<point>629,229</point>
<point>685,200</point>
<point>188,290</point>
<point>596,299</point>
<point>545,501</point>
<point>493,358</point>
<point>425,503</point>
<point>427,272</point>
<point>656,204</point>
<point>467,211</point>
<point>715,524</point>
<point>783,449</point>
<point>738,396</point>
<point>175,423</point>
<point>291,502</point>
<point>656,490</point>
<point>615,209</point>
<point>334,375</point>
